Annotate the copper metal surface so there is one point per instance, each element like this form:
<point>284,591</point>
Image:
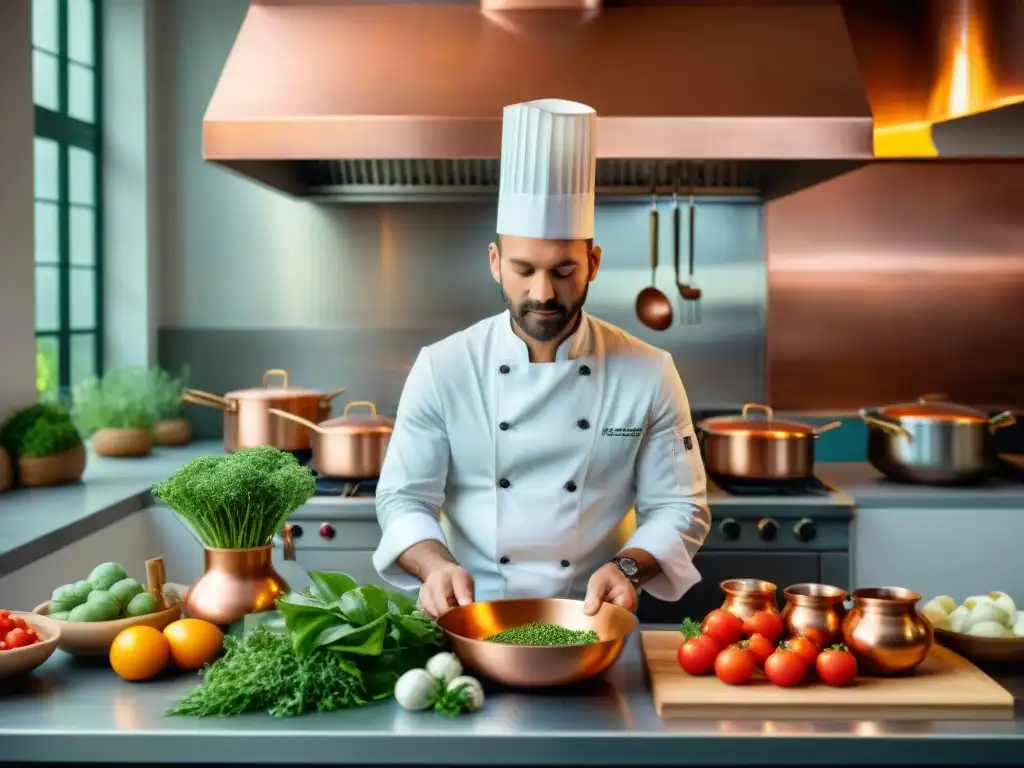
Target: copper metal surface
<point>893,280</point>
<point>934,407</point>
<point>652,306</point>
<point>534,5</point>
<point>235,582</point>
<point>814,611</point>
<point>984,650</point>
<point>885,632</point>
<point>247,418</point>
<point>348,447</point>
<point>467,627</point>
<point>745,597</point>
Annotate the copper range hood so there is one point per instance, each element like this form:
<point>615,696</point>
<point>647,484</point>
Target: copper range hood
<point>336,100</point>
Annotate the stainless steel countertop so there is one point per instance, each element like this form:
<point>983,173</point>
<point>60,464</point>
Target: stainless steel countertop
<point>73,711</point>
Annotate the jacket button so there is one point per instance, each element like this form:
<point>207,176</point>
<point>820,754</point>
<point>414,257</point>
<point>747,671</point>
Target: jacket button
<point>504,369</point>
<point>583,424</point>
<point>505,560</point>
<point>504,483</point>
<point>564,563</point>
<point>570,487</point>
<point>503,426</point>
<point>584,370</point>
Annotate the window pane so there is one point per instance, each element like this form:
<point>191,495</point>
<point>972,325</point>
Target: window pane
<point>80,95</point>
<point>47,298</point>
<point>44,80</point>
<point>83,298</point>
<point>47,366</point>
<point>81,175</point>
<point>83,357</point>
<point>44,25</point>
<point>80,33</point>
<point>46,177</point>
<point>47,233</point>
<point>83,236</point>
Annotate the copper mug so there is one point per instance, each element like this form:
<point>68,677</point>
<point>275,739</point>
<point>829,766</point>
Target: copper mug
<point>814,611</point>
<point>745,597</point>
<point>885,632</point>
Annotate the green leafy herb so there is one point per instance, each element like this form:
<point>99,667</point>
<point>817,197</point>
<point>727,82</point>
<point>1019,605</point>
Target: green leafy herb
<point>119,399</point>
<point>165,392</point>
<point>241,500</point>
<point>538,633</point>
<point>451,702</point>
<point>40,430</point>
<point>689,628</point>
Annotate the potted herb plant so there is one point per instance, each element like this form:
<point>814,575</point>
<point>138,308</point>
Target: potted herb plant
<point>165,398</point>
<point>114,410</point>
<point>236,504</point>
<point>44,445</point>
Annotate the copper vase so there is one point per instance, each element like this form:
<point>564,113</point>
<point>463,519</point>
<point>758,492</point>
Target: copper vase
<point>814,611</point>
<point>745,597</point>
<point>885,632</point>
<point>235,582</point>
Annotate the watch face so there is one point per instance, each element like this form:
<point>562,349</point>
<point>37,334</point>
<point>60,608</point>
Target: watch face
<point>628,566</point>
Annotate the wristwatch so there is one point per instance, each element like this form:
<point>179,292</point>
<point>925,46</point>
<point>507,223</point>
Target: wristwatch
<point>628,567</point>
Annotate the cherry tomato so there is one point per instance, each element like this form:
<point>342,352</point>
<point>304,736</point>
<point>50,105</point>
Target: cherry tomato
<point>735,665</point>
<point>803,647</point>
<point>3,645</point>
<point>18,623</point>
<point>696,654</point>
<point>836,666</point>
<point>5,623</point>
<point>767,623</point>
<point>722,627</point>
<point>761,647</point>
<point>785,668</point>
<point>17,638</point>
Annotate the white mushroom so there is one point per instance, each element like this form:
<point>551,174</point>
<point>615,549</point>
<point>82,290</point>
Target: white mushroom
<point>444,666</point>
<point>472,692</point>
<point>416,689</point>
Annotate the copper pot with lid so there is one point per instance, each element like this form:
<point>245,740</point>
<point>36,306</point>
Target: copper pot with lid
<point>764,448</point>
<point>349,447</point>
<point>247,418</point>
<point>933,441</point>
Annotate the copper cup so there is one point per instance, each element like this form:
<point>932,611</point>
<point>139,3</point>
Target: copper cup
<point>235,582</point>
<point>745,597</point>
<point>885,632</point>
<point>814,611</point>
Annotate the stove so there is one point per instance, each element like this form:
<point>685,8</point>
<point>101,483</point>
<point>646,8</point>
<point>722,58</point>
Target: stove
<point>800,486</point>
<point>346,489</point>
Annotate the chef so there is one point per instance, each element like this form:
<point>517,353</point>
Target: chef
<point>539,430</point>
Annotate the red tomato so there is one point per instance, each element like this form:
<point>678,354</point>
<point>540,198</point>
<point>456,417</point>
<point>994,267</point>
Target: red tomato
<point>761,647</point>
<point>735,665</point>
<point>722,627</point>
<point>5,623</point>
<point>767,623</point>
<point>803,647</point>
<point>785,668</point>
<point>697,655</point>
<point>17,638</point>
<point>3,645</point>
<point>836,666</point>
<point>18,623</point>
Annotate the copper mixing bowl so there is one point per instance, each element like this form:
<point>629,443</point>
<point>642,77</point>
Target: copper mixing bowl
<point>528,666</point>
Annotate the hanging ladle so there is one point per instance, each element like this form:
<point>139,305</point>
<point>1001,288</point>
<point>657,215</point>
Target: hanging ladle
<point>688,291</point>
<point>652,306</point>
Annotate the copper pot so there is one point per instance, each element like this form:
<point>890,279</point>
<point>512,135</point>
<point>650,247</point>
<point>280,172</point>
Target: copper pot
<point>760,449</point>
<point>348,447</point>
<point>814,611</point>
<point>247,418</point>
<point>745,597</point>
<point>235,582</point>
<point>885,632</point>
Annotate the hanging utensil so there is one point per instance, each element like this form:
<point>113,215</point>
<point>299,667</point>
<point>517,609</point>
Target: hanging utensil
<point>652,306</point>
<point>676,223</point>
<point>689,291</point>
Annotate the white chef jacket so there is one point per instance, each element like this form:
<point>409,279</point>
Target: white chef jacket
<point>538,466</point>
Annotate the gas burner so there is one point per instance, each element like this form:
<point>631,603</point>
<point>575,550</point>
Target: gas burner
<point>346,489</point>
<point>801,486</point>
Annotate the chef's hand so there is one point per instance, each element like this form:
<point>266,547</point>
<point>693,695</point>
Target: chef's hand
<point>446,586</point>
<point>608,585</point>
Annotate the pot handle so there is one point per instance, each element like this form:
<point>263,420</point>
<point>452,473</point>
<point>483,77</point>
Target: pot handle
<point>765,409</point>
<point>827,428</point>
<point>355,403</point>
<point>892,427</point>
<point>1001,421</point>
<point>198,397</point>
<point>276,372</point>
<point>288,540</point>
<point>296,419</point>
<point>325,401</point>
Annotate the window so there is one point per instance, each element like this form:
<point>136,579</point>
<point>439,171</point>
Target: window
<point>67,189</point>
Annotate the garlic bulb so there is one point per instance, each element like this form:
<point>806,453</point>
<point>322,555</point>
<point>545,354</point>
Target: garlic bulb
<point>472,694</point>
<point>947,603</point>
<point>1018,625</point>
<point>444,666</point>
<point>935,615</point>
<point>416,689</point>
<point>986,610</point>
<point>988,629</point>
<point>1005,603</point>
<point>958,619</point>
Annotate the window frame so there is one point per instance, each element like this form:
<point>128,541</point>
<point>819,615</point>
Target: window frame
<point>67,132</point>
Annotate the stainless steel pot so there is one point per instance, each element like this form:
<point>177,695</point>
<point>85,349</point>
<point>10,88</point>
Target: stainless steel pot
<point>760,449</point>
<point>347,447</point>
<point>933,441</point>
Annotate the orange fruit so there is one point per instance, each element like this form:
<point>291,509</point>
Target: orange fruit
<point>193,642</point>
<point>138,653</point>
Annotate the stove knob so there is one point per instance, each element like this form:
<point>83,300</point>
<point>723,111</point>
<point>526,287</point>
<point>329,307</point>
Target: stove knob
<point>805,530</point>
<point>768,529</point>
<point>296,531</point>
<point>730,529</point>
<point>327,531</point>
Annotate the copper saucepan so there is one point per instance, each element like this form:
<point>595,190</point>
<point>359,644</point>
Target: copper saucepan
<point>247,419</point>
<point>347,447</point>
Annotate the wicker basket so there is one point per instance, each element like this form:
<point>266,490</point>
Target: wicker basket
<point>116,442</point>
<point>172,432</point>
<point>6,471</point>
<point>55,469</point>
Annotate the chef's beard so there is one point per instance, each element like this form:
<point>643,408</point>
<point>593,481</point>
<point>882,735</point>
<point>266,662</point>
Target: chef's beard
<point>540,328</point>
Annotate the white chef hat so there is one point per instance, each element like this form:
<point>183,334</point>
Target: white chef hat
<point>548,170</point>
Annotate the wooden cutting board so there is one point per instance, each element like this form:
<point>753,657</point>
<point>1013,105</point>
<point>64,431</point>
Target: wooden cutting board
<point>945,687</point>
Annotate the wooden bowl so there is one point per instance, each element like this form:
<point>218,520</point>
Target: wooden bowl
<point>992,650</point>
<point>19,661</point>
<point>522,666</point>
<point>94,638</point>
